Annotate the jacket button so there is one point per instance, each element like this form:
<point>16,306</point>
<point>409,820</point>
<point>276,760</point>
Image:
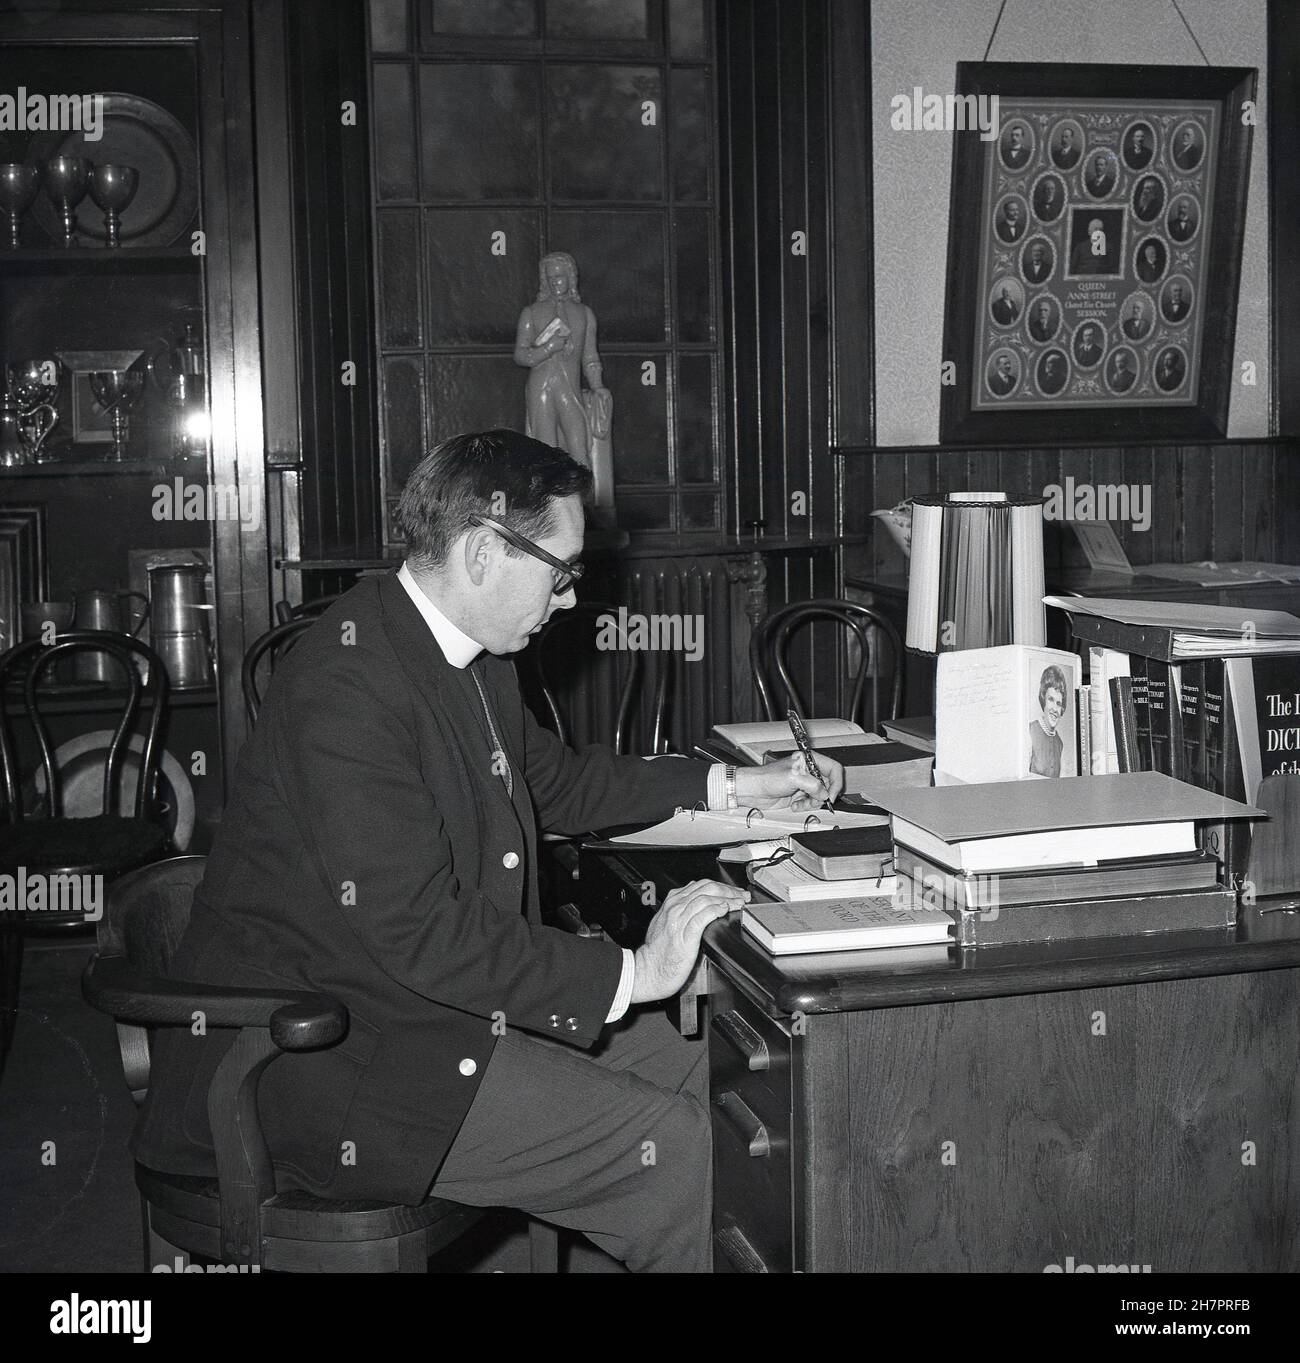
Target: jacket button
<point>571,1024</point>
<point>554,1020</point>
<point>467,1067</point>
<point>510,860</point>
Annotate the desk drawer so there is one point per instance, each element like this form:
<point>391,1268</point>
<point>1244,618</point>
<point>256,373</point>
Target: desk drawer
<point>750,1103</point>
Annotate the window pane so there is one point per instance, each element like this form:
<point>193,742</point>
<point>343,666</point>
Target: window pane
<point>686,36</point>
<point>695,406</point>
<point>474,393</point>
<point>480,131</point>
<point>596,19</point>
<point>700,511</point>
<point>388,32</point>
<point>475,296</point>
<point>692,135</point>
<point>403,417</point>
<point>599,147</point>
<point>399,277</point>
<point>637,511</point>
<point>394,131</point>
<point>640,420</point>
<point>620,260</point>
<point>485,18</point>
<point>693,250</point>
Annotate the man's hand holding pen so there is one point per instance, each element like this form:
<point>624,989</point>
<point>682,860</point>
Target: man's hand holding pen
<point>788,784</point>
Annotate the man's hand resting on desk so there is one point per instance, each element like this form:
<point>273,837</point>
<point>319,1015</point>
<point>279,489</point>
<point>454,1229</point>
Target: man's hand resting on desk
<point>672,941</point>
<point>787,784</point>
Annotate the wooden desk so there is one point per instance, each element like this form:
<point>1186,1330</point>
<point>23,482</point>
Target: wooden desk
<point>1129,1101</point>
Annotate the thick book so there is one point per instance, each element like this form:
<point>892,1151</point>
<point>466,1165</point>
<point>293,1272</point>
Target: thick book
<point>1010,824</point>
<point>1140,692</point>
<point>1084,919</point>
<point>1103,665</point>
<point>844,853</point>
<point>1196,870</point>
<point>918,731</point>
<point>870,766</point>
<point>1124,724</point>
<point>748,742</point>
<point>842,925</point>
<point>1191,679</point>
<point>1006,713</point>
<point>1159,714</point>
<point>789,881</point>
<point>1172,631</point>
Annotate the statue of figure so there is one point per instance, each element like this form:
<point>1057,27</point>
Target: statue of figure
<point>556,342</point>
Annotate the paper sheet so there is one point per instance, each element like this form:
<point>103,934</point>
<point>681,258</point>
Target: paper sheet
<point>712,829</point>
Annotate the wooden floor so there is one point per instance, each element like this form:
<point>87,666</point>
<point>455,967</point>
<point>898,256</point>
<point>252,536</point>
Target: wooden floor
<point>67,1200</point>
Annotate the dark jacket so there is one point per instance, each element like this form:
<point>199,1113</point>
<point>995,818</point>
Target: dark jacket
<point>366,852</point>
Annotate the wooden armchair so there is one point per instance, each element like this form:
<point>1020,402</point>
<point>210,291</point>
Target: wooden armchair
<point>239,1217</point>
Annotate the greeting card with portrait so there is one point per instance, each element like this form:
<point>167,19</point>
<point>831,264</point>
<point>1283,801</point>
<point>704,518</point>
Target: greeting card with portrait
<point>1094,252</point>
<point>1006,713</point>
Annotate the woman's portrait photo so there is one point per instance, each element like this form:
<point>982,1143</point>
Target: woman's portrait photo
<point>1045,745</point>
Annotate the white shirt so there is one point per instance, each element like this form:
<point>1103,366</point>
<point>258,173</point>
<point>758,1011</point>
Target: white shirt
<point>460,650</point>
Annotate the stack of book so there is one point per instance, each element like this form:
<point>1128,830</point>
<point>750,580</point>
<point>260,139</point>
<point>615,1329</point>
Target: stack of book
<point>1079,857</point>
<point>836,891</point>
<point>870,762</point>
<point>839,863</point>
<point>1209,695</point>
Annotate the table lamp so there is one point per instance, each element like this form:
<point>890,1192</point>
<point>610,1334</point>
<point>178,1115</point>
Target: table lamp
<point>976,572</point>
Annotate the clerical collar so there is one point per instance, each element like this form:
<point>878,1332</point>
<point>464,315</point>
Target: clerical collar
<point>457,647</point>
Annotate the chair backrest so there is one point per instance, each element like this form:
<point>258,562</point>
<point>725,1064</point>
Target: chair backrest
<point>145,917</point>
<point>144,702</point>
<point>271,646</point>
<point>318,605</point>
<point>568,622</point>
<point>769,647</point>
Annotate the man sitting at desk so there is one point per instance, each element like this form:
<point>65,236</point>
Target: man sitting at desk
<point>380,845</point>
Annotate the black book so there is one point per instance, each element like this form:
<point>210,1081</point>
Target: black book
<point>1159,716</point>
<point>1141,693</point>
<point>844,853</point>
<point>1191,679</point>
<point>1122,719</point>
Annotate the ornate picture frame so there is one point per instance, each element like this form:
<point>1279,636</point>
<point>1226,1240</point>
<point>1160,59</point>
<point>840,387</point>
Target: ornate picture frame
<point>1094,253</point>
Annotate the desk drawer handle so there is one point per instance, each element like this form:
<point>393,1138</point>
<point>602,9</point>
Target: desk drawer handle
<point>744,1038</point>
<point>752,1131</point>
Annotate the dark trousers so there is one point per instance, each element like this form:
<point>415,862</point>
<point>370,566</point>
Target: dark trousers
<point>612,1142</point>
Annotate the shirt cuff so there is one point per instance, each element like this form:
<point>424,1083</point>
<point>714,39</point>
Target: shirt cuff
<point>717,789</point>
<point>625,981</point>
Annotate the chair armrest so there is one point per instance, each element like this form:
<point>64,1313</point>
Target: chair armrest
<point>297,1020</point>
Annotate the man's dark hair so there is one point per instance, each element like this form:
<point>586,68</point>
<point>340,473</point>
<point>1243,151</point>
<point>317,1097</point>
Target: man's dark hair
<point>502,474</point>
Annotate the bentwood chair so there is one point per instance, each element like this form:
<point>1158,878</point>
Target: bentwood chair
<point>37,839</point>
<point>769,654</point>
<point>240,1217</point>
<point>266,651</point>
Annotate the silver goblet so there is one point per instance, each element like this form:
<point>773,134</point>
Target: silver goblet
<point>117,391</point>
<point>18,188</point>
<point>66,180</point>
<point>112,188</point>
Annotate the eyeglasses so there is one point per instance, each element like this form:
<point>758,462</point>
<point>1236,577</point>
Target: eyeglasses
<point>565,574</point>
